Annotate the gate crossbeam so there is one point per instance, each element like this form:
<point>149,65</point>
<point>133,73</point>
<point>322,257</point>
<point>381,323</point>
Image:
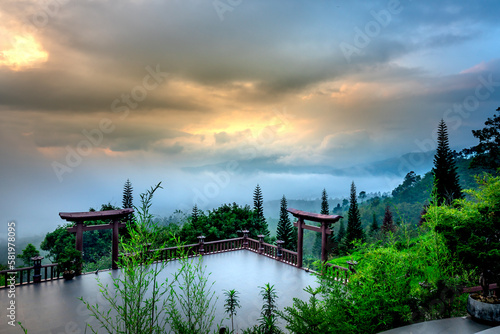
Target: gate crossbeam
<point>80,217</point>
<point>325,220</point>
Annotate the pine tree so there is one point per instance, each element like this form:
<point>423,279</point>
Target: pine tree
<point>374,225</point>
<point>325,210</point>
<point>127,195</point>
<point>387,224</point>
<point>285,229</point>
<point>195,215</point>
<point>258,208</point>
<point>354,229</point>
<point>127,203</point>
<point>445,171</point>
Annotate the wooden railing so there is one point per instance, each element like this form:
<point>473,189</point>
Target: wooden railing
<point>336,272</point>
<point>25,275</point>
<point>49,272</point>
<point>272,251</point>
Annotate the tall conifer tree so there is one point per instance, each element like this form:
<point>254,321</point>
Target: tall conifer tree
<point>446,182</point>
<point>258,208</point>
<point>127,201</point>
<point>325,210</point>
<point>354,229</point>
<point>285,229</point>
<point>128,198</point>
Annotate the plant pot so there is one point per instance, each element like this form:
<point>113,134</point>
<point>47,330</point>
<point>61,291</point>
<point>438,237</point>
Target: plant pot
<point>68,276</point>
<point>484,312</point>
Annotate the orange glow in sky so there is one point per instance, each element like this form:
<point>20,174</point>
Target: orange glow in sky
<point>25,53</point>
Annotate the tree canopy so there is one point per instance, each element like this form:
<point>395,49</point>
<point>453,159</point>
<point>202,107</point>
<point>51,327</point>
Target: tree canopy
<point>486,154</point>
<point>446,180</point>
<point>354,228</point>
<point>285,231</point>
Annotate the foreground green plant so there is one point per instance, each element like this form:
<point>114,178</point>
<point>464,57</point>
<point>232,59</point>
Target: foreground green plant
<point>135,297</point>
<point>471,230</point>
<point>232,302</point>
<point>191,301</point>
<point>306,317</point>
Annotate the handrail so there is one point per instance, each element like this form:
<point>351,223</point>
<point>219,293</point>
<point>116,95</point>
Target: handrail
<point>338,273</point>
<point>173,253</point>
<point>26,272</point>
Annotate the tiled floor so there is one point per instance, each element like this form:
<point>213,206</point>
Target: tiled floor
<point>54,308</point>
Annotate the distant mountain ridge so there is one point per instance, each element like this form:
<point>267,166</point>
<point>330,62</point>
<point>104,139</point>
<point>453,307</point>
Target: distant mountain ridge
<point>419,162</point>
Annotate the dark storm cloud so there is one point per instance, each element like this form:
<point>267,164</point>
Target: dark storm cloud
<point>281,46</point>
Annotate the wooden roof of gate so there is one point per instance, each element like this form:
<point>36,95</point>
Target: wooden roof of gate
<point>95,215</point>
<point>315,217</point>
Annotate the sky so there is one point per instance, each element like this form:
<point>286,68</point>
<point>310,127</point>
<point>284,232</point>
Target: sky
<point>211,98</point>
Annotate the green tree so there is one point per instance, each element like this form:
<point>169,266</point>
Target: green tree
<point>269,316</point>
<point>28,252</point>
<point>224,222</point>
<point>403,190</point>
<point>285,231</point>
<point>195,215</point>
<point>306,317</point>
<point>471,230</point>
<point>388,223</point>
<point>446,180</point>
<point>362,195</point>
<point>57,242</point>
<point>258,207</point>
<point>128,198</point>
<point>325,210</point>
<point>486,154</point>
<point>354,229</point>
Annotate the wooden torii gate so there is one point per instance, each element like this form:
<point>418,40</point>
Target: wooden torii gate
<point>325,220</point>
<point>79,217</point>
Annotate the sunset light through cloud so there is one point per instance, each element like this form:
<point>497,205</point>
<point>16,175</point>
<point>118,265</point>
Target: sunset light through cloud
<point>24,53</point>
<point>298,96</point>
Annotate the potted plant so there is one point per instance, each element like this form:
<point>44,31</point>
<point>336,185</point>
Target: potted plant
<point>70,260</point>
<point>471,231</point>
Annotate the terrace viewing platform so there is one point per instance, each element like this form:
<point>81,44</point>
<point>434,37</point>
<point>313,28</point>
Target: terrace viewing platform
<point>52,305</point>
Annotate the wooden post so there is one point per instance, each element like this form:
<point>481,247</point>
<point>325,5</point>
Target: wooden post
<point>245,238</point>
<point>114,252</point>
<point>279,252</point>
<point>261,243</point>
<point>201,244</point>
<point>300,240</point>
<point>79,236</point>
<point>323,242</point>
